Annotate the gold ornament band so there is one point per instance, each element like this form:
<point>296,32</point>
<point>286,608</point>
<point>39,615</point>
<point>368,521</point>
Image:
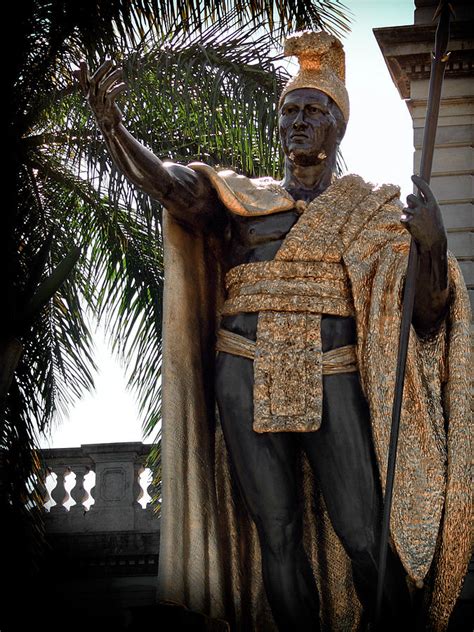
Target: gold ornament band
<point>340,360</point>
<point>289,286</point>
<point>233,343</point>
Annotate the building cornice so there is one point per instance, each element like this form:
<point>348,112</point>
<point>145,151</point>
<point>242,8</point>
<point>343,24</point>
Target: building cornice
<point>407,52</point>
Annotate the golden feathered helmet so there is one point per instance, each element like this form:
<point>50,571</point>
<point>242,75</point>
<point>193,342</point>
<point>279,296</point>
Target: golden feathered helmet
<point>322,66</point>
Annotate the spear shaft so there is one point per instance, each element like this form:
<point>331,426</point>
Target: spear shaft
<point>438,65</point>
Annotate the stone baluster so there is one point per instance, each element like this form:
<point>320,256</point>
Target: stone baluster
<point>137,488</point>
<point>78,493</point>
<point>154,490</point>
<point>59,493</point>
<point>93,492</point>
<point>41,486</point>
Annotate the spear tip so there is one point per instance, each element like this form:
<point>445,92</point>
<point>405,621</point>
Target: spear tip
<point>444,12</point>
<point>443,5</point>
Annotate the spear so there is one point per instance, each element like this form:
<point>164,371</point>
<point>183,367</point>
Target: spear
<point>438,65</point>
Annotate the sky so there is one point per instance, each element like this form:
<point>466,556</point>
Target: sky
<point>378,146</point>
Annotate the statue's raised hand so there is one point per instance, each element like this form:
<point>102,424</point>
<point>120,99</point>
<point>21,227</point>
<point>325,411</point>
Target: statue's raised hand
<point>422,218</point>
<point>101,89</point>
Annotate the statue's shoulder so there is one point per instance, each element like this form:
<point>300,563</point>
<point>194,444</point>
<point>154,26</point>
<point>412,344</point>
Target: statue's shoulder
<point>355,185</point>
<point>367,198</point>
<point>246,196</point>
<point>363,205</point>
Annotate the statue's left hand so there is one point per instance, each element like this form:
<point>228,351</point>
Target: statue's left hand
<point>422,218</point>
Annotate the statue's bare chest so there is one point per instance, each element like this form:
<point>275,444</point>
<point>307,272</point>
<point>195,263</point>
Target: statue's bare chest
<point>257,238</point>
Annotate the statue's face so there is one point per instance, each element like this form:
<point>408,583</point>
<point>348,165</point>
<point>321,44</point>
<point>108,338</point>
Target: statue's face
<point>311,125</point>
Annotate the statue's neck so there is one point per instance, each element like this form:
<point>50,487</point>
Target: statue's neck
<point>305,182</point>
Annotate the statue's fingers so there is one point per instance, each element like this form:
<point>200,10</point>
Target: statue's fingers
<point>101,71</point>
<point>114,77</point>
<point>424,188</point>
<point>412,201</point>
<point>113,93</point>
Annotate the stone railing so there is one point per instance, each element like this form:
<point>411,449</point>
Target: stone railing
<point>119,499</point>
<point>102,532</point>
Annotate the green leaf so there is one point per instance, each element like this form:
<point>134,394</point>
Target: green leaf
<point>49,286</point>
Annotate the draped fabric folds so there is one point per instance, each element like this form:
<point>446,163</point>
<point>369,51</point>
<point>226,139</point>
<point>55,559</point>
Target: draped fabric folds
<point>209,552</point>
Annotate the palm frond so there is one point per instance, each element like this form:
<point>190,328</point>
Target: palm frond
<point>228,120</point>
<point>280,16</point>
<point>212,98</point>
<point>119,280</point>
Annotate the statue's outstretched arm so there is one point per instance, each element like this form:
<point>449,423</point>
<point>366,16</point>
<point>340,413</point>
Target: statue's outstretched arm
<point>423,220</point>
<point>183,191</point>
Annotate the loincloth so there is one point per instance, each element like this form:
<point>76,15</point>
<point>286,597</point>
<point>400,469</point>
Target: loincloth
<point>290,298</point>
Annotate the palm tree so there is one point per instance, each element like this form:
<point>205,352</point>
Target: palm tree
<point>76,240</point>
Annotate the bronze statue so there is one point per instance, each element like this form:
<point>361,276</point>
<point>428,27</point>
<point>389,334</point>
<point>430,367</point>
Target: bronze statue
<point>297,286</point>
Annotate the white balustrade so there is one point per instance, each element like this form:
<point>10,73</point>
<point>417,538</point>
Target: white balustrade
<point>118,501</point>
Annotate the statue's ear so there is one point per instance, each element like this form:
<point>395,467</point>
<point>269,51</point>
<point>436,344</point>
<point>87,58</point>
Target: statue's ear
<point>341,123</point>
<point>341,130</point>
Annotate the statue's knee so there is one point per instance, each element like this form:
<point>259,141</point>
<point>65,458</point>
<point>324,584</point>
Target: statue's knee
<point>280,536</point>
<point>360,544</point>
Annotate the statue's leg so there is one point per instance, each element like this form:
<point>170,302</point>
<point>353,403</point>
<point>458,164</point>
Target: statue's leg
<point>342,456</point>
<point>264,466</point>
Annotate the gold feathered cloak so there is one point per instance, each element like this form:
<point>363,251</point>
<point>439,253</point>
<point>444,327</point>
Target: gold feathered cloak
<point>209,552</point>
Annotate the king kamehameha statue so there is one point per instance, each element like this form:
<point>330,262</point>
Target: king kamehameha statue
<point>282,310</point>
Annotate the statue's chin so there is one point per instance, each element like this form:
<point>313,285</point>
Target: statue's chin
<point>305,159</point>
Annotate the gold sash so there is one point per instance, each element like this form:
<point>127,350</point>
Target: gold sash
<point>319,287</point>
